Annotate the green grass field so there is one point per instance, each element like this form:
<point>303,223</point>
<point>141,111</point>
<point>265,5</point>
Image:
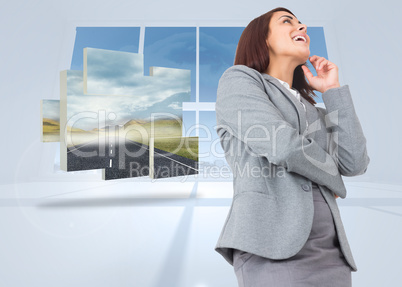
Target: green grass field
<point>183,146</point>
<point>50,130</point>
<point>161,129</point>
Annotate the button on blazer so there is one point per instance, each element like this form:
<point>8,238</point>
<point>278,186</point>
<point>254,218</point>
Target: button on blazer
<point>274,158</point>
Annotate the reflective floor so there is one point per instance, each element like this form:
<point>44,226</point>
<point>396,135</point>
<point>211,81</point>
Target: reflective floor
<point>163,233</point>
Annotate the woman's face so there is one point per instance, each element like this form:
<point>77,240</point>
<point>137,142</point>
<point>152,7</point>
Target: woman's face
<point>283,27</point>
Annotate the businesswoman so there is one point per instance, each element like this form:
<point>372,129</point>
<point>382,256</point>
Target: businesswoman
<point>287,157</point>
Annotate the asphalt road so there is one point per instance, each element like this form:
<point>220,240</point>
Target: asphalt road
<point>130,159</point>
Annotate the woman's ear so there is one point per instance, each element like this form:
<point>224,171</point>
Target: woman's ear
<point>267,42</point>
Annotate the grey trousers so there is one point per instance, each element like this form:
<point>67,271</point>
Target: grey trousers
<point>319,263</point>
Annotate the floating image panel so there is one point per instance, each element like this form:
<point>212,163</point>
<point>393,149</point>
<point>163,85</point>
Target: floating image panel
<point>170,157</point>
<point>150,106</point>
<point>124,39</point>
<point>217,53</point>
<point>173,47</point>
<point>50,120</point>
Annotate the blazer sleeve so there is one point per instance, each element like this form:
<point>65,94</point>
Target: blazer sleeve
<point>347,143</point>
<point>244,110</point>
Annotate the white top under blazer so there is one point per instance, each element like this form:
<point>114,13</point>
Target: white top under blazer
<point>295,93</point>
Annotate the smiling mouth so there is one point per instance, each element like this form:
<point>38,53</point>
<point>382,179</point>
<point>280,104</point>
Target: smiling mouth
<point>300,39</point>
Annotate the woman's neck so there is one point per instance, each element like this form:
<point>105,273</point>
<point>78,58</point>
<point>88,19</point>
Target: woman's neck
<point>282,70</point>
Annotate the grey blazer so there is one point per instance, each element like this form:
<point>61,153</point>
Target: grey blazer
<point>274,156</point>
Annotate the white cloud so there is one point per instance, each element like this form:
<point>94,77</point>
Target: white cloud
<point>115,86</point>
<point>111,73</point>
<point>175,105</point>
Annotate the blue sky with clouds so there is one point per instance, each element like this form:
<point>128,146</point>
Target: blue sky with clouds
<point>116,84</point>
<point>217,51</point>
<point>189,128</point>
<point>176,47</point>
<point>85,108</point>
<point>317,47</point>
<point>173,47</point>
<point>111,38</point>
<point>51,109</point>
<point>121,73</point>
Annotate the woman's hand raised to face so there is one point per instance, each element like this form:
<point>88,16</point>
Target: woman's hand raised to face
<point>327,74</point>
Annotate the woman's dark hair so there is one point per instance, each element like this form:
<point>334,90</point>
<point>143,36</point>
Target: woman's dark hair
<point>252,51</point>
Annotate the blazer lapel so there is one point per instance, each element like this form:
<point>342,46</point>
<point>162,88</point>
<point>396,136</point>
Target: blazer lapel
<point>311,111</point>
<point>312,118</point>
<point>299,108</point>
